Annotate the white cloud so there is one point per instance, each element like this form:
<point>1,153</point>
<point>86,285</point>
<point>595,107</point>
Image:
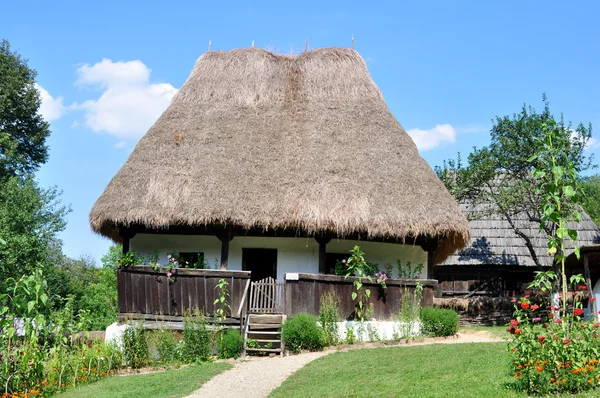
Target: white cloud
<point>51,108</point>
<point>128,104</point>
<point>434,137</point>
<point>121,144</point>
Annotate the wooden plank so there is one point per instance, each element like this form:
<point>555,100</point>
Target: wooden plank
<point>189,272</point>
<point>185,296</point>
<point>121,292</point>
<point>154,287</point>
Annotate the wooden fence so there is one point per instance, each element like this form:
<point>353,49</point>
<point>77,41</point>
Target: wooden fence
<point>304,293</point>
<point>144,293</point>
<point>267,296</point>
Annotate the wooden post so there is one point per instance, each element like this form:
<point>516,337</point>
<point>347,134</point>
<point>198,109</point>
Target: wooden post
<point>588,282</point>
<point>225,238</point>
<point>322,241</point>
<point>126,235</point>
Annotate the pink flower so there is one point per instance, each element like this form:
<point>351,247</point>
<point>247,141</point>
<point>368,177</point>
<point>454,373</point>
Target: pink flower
<point>537,319</point>
<point>514,323</point>
<point>169,274</point>
<point>557,320</point>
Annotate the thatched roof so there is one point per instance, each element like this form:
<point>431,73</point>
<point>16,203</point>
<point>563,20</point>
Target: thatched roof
<point>494,241</point>
<point>256,139</point>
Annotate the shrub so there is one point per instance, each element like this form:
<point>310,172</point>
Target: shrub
<point>301,332</point>
<point>408,316</point>
<point>196,339</point>
<point>229,345</point>
<point>439,322</point>
<point>135,347</point>
<point>166,345</point>
<point>329,316</point>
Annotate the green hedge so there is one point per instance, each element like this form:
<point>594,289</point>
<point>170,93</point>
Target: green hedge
<point>301,332</point>
<point>229,344</point>
<point>439,322</point>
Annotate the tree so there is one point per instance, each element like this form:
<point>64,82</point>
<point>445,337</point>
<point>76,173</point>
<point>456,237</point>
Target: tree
<point>591,200</point>
<point>498,179</point>
<point>23,131</point>
<point>30,219</point>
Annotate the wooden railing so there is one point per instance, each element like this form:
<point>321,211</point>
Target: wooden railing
<point>304,291</point>
<point>146,293</point>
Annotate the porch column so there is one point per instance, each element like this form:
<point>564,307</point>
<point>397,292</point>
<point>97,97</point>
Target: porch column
<point>322,241</point>
<point>430,246</point>
<point>588,282</point>
<point>126,234</point>
<point>225,238</point>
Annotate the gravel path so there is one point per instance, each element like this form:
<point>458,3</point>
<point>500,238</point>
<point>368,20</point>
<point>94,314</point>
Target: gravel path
<point>258,376</point>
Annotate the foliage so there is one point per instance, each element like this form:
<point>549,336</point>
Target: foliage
<point>179,382</point>
<point>408,317</point>
<point>41,351</point>
<point>135,347</point>
<point>30,219</point>
<point>196,340</point>
<point>559,189</point>
<point>222,306</point>
<point>329,316</point>
<point>550,354</point>
<point>301,332</point>
<point>350,335</point>
<point>355,266</point>
<point>590,201</point>
<point>407,271</point>
<point>130,258</point>
<point>23,131</point>
<point>166,345</point>
<point>499,179</point>
<point>439,322</point>
<point>230,344</point>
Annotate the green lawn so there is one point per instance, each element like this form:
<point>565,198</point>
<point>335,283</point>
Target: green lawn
<point>172,383</point>
<point>453,370</point>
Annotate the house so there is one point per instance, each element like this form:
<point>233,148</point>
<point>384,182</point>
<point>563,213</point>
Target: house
<point>276,164</point>
<point>497,261</point>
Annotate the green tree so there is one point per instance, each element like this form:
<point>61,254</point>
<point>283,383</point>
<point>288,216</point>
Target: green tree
<point>591,198</point>
<point>23,131</point>
<point>30,218</point>
<point>498,179</point>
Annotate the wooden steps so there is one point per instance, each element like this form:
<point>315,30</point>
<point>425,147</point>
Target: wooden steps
<point>264,333</point>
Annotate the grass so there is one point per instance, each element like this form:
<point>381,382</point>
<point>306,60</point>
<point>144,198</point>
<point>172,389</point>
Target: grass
<point>171,383</point>
<point>453,370</point>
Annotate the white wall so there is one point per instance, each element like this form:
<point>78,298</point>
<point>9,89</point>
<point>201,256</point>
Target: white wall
<point>293,254</point>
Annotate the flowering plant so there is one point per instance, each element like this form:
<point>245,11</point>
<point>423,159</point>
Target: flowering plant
<point>381,278</point>
<point>552,353</point>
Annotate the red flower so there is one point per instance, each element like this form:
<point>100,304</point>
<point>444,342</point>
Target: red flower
<point>593,299</point>
<point>578,312</point>
<point>525,305</point>
<point>518,331</point>
<point>567,342</point>
<point>514,322</point>
<point>582,287</point>
<point>541,339</point>
<point>535,307</point>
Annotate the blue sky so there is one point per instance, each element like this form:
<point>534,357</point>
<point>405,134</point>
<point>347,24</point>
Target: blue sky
<point>108,69</point>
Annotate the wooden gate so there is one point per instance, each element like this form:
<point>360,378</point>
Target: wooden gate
<point>267,296</point>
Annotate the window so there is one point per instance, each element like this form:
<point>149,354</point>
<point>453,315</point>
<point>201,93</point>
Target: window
<point>332,259</point>
<point>192,260</point>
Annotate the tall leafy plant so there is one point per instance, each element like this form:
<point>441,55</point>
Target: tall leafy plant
<point>559,189</point>
<point>355,266</point>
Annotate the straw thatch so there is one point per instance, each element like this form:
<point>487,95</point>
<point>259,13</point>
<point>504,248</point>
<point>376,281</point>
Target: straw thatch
<point>494,241</point>
<point>255,139</point>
